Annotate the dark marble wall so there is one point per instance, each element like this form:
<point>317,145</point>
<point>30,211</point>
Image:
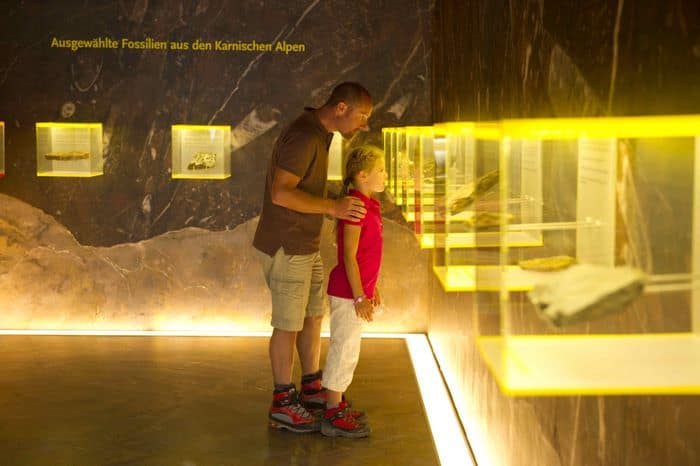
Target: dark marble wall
<point>536,58</point>
<point>518,58</point>
<point>139,94</point>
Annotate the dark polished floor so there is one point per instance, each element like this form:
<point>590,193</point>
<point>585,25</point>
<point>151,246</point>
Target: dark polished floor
<point>188,401</point>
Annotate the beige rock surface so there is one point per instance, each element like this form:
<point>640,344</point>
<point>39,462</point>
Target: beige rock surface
<point>190,279</point>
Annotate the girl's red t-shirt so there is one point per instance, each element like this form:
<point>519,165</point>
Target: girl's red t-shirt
<point>369,252</point>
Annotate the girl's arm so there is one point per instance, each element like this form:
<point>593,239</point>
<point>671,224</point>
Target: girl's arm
<point>351,239</point>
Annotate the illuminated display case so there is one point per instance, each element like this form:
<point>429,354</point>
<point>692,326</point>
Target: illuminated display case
<point>406,166</point>
<point>417,156</point>
<point>69,149</point>
<point>621,200</point>
<point>466,234</point>
<point>409,157</point>
<point>2,149</point>
<point>429,144</point>
<point>389,136</point>
<point>394,144</point>
<point>335,158</point>
<point>201,152</point>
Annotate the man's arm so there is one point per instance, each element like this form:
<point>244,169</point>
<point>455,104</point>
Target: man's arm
<point>285,193</point>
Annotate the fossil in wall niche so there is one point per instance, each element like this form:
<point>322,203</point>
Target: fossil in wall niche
<point>67,155</point>
<point>202,160</point>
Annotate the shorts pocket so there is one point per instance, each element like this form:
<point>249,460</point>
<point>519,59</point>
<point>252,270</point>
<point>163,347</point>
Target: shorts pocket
<point>289,288</point>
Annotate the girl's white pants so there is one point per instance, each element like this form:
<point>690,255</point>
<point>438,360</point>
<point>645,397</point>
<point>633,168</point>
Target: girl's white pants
<point>344,349</point>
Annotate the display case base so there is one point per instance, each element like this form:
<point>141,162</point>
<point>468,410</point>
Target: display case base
<point>76,174</point>
<point>484,278</point>
<point>631,364</point>
<point>200,177</point>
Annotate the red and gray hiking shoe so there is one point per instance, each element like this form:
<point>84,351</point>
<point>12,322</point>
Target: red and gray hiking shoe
<point>313,397</point>
<point>358,415</point>
<point>287,412</point>
<point>337,422</point>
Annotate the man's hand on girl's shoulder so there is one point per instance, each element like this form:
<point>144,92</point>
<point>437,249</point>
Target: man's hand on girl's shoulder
<point>349,208</point>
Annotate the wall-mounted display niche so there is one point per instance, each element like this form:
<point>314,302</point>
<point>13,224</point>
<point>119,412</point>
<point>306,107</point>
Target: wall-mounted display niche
<point>201,152</point>
<point>2,149</point>
<point>69,149</point>
<point>335,158</point>
<point>465,232</point>
<point>609,302</point>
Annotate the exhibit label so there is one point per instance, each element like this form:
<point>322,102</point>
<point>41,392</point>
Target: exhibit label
<point>196,45</point>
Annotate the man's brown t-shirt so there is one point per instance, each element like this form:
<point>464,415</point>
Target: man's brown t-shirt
<point>301,149</point>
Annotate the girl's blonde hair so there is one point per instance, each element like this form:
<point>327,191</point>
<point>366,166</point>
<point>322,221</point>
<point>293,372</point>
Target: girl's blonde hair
<point>360,158</point>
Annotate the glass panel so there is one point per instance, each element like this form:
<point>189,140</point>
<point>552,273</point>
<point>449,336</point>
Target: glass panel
<point>2,149</point>
<point>607,304</point>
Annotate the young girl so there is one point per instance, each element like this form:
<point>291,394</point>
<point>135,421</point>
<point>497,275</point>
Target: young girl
<point>352,290</point>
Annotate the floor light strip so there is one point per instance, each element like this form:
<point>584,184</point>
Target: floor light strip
<point>447,432</point>
<point>174,333</point>
<point>137,333</point>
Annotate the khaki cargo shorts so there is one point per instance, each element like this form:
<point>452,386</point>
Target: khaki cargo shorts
<point>296,285</point>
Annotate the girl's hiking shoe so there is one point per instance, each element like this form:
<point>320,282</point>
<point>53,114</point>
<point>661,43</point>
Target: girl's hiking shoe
<point>338,422</point>
<point>313,397</point>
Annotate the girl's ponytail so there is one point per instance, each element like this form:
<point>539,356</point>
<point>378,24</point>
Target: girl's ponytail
<point>345,189</point>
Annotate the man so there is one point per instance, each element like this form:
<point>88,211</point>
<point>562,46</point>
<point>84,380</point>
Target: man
<point>288,237</point>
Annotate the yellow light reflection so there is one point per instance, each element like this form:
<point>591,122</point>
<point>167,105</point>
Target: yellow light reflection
<point>448,436</point>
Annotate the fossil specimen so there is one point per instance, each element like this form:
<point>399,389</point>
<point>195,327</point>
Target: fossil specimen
<point>487,219</point>
<point>202,160</point>
<point>465,196</point>
<point>67,155</point>
<point>547,264</point>
<point>584,292</point>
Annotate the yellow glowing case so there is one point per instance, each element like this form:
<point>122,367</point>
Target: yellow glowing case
<point>69,149</point>
<point>201,152</point>
<point>614,192</point>
<point>335,158</point>
<point>2,149</point>
<point>465,233</point>
<point>407,166</point>
<point>425,143</point>
<point>394,154</point>
<point>388,136</point>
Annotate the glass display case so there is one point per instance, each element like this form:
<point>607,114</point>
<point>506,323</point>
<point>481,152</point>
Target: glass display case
<point>335,158</point>
<point>69,149</point>
<point>404,174</point>
<point>389,158</point>
<point>394,156</point>
<point>609,303</point>
<point>2,149</point>
<point>466,234</point>
<point>201,152</point>
<point>429,143</point>
<point>414,174</point>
